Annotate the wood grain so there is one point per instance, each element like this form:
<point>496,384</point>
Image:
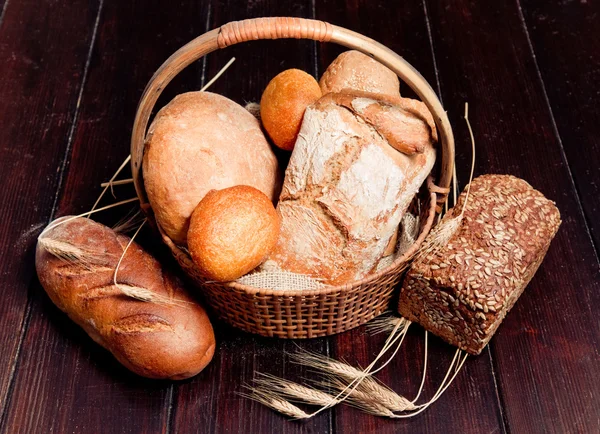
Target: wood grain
<point>404,30</point>
<point>63,381</point>
<point>565,39</point>
<point>211,403</point>
<point>545,357</point>
<point>546,352</point>
<point>39,88</point>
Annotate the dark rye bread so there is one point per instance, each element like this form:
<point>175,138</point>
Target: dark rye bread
<point>462,291</point>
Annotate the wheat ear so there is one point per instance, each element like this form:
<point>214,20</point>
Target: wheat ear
<point>372,395</point>
<point>71,253</point>
<point>292,391</point>
<point>130,221</point>
<point>274,401</point>
<point>383,323</point>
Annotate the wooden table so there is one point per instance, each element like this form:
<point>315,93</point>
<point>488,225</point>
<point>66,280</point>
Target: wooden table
<point>72,72</point>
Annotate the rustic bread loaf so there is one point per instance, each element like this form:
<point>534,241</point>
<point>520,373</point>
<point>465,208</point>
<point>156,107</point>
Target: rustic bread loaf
<point>283,103</point>
<point>463,290</point>
<point>232,231</point>
<point>346,187</point>
<point>198,142</point>
<point>355,71</point>
<point>167,336</point>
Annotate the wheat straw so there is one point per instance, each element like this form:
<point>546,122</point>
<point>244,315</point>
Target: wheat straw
<point>121,167</point>
<point>216,77</point>
<point>130,221</point>
<point>441,233</point>
<point>55,224</point>
<point>125,251</point>
<point>116,183</point>
<point>424,370</point>
<point>442,388</point>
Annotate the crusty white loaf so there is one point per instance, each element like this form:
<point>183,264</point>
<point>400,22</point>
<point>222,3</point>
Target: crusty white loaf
<point>346,187</point>
<point>198,142</point>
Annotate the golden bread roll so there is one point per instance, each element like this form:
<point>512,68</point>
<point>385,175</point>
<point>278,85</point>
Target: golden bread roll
<point>283,103</point>
<point>145,319</point>
<point>198,142</point>
<point>232,231</point>
<point>353,70</point>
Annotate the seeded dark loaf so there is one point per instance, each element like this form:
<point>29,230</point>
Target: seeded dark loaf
<point>462,291</point>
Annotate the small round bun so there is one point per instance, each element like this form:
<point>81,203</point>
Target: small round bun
<point>353,70</point>
<point>283,103</point>
<point>232,231</point>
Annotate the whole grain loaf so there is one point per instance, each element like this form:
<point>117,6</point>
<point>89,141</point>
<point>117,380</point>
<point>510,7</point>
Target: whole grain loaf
<point>462,291</point>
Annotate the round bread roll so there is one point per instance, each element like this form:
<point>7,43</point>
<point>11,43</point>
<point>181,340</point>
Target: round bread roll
<point>356,71</point>
<point>232,231</point>
<point>198,142</point>
<point>283,103</point>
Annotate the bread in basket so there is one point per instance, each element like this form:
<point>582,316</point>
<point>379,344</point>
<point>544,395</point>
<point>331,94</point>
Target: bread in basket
<point>299,313</point>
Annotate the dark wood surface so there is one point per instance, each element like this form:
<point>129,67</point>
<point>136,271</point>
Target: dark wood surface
<point>72,73</point>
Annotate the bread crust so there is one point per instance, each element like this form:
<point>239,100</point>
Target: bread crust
<point>354,71</point>
<point>346,189</point>
<point>173,340</point>
<point>283,103</point>
<point>463,291</point>
<point>232,231</point>
<point>198,142</point>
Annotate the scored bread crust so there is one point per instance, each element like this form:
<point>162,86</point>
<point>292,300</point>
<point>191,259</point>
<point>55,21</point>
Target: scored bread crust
<point>173,340</point>
<point>346,188</point>
<point>462,291</point>
<point>198,142</point>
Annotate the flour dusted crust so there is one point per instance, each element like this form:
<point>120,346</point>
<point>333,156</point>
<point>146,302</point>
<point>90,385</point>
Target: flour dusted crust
<point>464,290</point>
<point>198,142</point>
<point>355,71</point>
<point>346,188</point>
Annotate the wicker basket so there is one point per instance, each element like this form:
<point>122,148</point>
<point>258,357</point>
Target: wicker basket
<point>307,313</point>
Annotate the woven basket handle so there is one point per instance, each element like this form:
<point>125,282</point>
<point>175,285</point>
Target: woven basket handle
<point>276,28</point>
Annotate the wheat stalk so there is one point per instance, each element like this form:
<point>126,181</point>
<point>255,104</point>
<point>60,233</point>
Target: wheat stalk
<point>385,396</point>
<point>383,323</point>
<point>276,402</point>
<point>146,295</point>
<point>127,223</point>
<point>293,391</point>
<point>116,183</point>
<point>441,234</point>
<point>70,253</point>
<point>326,364</point>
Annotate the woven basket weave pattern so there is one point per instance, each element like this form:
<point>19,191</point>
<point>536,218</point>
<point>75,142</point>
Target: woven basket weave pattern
<point>288,313</point>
